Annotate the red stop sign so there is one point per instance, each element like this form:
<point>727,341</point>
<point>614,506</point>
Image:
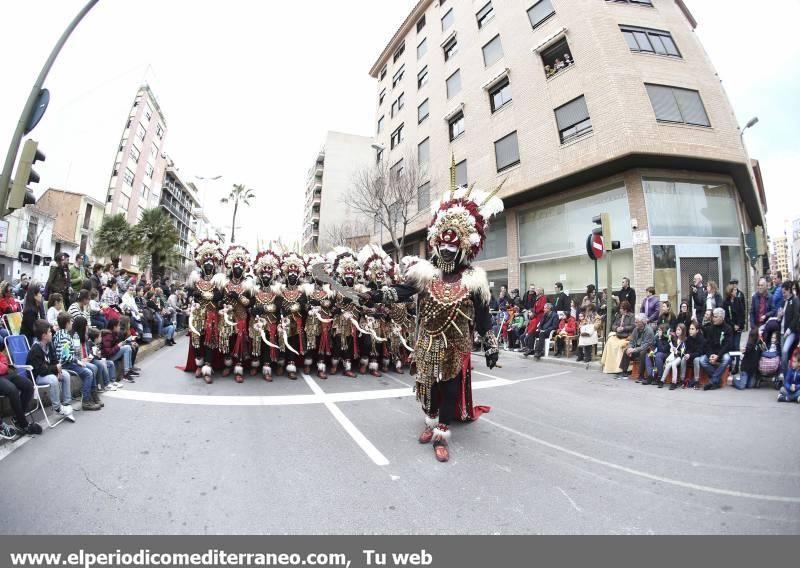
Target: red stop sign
<point>597,246</point>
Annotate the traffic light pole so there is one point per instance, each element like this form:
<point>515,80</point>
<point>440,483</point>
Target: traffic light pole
<point>30,105</point>
<point>609,298</point>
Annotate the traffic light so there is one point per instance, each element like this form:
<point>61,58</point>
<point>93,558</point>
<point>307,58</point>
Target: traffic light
<point>20,195</point>
<point>603,230</point>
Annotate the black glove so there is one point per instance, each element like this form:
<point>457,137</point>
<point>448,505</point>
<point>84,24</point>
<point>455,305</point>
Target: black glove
<point>491,358</point>
<point>490,349</point>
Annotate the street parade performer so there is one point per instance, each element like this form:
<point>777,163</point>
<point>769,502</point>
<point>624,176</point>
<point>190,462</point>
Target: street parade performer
<point>377,268</point>
<point>237,297</point>
<point>453,303</point>
<point>345,268</point>
<point>264,315</point>
<point>293,307</point>
<point>319,321</point>
<point>205,291</point>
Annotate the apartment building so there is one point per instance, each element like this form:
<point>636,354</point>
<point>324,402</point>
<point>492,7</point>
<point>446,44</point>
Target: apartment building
<point>583,107</point>
<point>179,201</point>
<point>77,216</point>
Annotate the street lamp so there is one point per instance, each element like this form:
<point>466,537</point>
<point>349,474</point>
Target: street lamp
<point>750,123</point>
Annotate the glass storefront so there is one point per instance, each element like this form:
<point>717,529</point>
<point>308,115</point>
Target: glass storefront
<point>496,245</point>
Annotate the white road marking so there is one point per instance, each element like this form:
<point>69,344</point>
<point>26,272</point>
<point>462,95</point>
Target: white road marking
<point>372,452</point>
<point>644,474</point>
<point>571,502</point>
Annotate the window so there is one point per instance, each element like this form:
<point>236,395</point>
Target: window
<point>557,58</point>
<point>383,73</point>
<point>540,12</point>
<point>496,245</point>
<point>115,171</point>
<point>397,136</point>
<point>492,51</point>
<point>424,151</point>
<point>33,228</point>
<point>145,191</point>
<point>421,23</point>
<point>124,202</point>
<point>424,196</point>
<point>447,19</point>
<point>682,106</point>
<point>84,242</point>
<point>148,170</point>
<point>140,132</point>
<point>396,170</point>
<point>461,173</point>
<point>422,48</point>
<point>456,125</point>
<point>422,77</point>
<point>500,95</point>
<point>127,177</point>
<point>506,152</point>
<point>154,150</point>
<point>380,124</point>
<point>454,84</point>
<point>397,105</point>
<point>683,209</point>
<point>636,2</point>
<point>450,48</point>
<point>135,153</point>
<point>160,132</point>
<point>148,112</point>
<point>422,111</point>
<point>398,52</point>
<point>381,97</point>
<point>485,15</point>
<point>398,76</point>
<point>650,41</point>
<point>573,120</point>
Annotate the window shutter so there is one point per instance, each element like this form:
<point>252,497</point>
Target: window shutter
<point>691,107</point>
<point>664,104</point>
<point>539,12</point>
<point>506,151</point>
<point>572,113</point>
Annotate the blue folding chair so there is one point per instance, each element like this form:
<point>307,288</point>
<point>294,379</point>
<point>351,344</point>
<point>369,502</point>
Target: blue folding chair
<point>17,348</point>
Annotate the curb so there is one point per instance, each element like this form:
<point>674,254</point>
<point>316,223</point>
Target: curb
<point>563,361</point>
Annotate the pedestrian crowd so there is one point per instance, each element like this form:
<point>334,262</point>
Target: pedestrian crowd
<point>84,322</point>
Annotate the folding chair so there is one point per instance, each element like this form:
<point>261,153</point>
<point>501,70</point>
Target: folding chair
<point>13,322</point>
<point>17,348</point>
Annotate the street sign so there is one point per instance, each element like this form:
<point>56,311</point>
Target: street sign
<point>594,247</point>
<point>38,110</point>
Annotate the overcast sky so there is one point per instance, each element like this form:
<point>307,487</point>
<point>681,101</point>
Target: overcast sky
<point>249,88</point>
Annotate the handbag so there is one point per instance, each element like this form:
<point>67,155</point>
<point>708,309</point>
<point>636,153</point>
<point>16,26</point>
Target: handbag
<point>587,330</point>
<point>769,363</point>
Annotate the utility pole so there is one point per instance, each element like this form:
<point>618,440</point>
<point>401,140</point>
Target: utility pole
<point>24,125</point>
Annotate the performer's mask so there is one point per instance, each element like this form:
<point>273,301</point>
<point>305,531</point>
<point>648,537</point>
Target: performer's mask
<point>238,270</point>
<point>208,268</point>
<point>266,278</point>
<point>292,278</point>
<point>448,252</point>
<point>349,280</point>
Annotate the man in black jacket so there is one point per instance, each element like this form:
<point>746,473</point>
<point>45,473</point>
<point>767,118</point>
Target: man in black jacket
<point>548,324</point>
<point>719,337</point>
<point>529,299</point>
<point>561,301</point>
<point>699,296</point>
<point>626,293</point>
<point>791,323</point>
<point>58,279</point>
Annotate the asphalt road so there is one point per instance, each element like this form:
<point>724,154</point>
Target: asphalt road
<point>564,450</point>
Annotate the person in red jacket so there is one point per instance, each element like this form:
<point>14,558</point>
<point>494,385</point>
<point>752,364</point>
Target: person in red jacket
<point>567,327</point>
<point>112,349</point>
<point>8,303</point>
<point>537,312</point>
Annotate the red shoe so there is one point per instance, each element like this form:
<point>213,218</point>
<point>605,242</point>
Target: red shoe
<point>198,372</point>
<point>441,451</point>
<point>253,371</point>
<point>226,372</point>
<point>399,370</point>
<point>334,369</point>
<point>322,375</point>
<point>375,373</point>
<point>307,370</point>
<point>350,374</point>
<point>293,376</point>
<point>426,436</point>
<point>362,369</point>
<point>279,371</point>
<point>239,379</point>
<point>208,379</point>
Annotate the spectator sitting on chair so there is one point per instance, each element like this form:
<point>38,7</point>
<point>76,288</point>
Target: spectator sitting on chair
<point>666,317</point>
<point>790,323</point>
<point>706,323</point>
<point>22,288</point>
<point>676,360</point>
<point>537,313</point>
<point>650,306</point>
<point>718,343</point>
<point>548,325</point>
<point>110,295</point>
<point>95,280</point>
<point>695,349</point>
<point>561,300</point>
<point>617,341</point>
<point>658,356</point>
<point>112,348</point>
<point>80,308</point>
<point>32,311</point>
<point>502,299</point>
<point>71,361</point>
<point>48,371</point>
<point>97,320</point>
<point>55,305</point>
<point>684,316</point>
<point>748,371</point>
<point>641,343</point>
<point>516,331</point>
<point>8,303</point>
<point>790,391</point>
<point>19,392</point>
<point>566,328</point>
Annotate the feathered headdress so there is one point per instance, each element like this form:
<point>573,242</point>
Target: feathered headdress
<point>461,217</point>
<point>373,260</point>
<point>343,262</point>
<point>208,249</point>
<point>267,261</point>
<point>291,262</point>
<point>237,254</point>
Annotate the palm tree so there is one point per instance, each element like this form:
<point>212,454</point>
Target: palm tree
<point>155,238</point>
<point>114,238</point>
<point>237,194</point>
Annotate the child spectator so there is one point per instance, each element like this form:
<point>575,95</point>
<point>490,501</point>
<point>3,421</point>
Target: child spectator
<point>34,306</point>
<point>112,349</point>
<point>48,371</point>
<point>666,317</point>
<point>98,320</point>
<point>70,361</point>
<point>127,330</point>
<point>695,349</point>
<point>790,391</point>
<point>567,327</point>
<point>655,360</point>
<point>676,359</point>
<point>587,327</point>
<point>19,392</point>
<point>748,371</point>
<point>8,303</point>
<point>103,369</point>
<point>55,305</point>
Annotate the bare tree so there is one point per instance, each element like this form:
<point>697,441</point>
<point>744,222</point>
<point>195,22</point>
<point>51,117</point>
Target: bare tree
<point>389,195</point>
<point>345,234</point>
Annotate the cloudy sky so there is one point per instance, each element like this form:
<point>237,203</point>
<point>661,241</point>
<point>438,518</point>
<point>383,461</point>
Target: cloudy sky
<point>249,88</point>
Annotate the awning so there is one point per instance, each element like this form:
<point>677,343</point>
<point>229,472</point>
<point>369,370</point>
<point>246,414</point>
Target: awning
<point>453,112</point>
<point>549,40</point>
<point>496,79</point>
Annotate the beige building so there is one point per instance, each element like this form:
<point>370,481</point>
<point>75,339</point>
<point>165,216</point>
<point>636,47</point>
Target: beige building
<point>328,220</point>
<point>584,107</point>
<point>179,200</point>
<point>782,257</point>
<point>77,216</point>
<point>796,247</point>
